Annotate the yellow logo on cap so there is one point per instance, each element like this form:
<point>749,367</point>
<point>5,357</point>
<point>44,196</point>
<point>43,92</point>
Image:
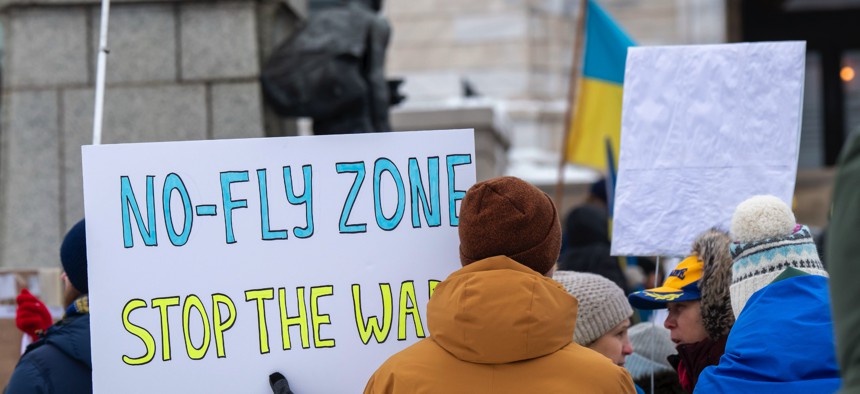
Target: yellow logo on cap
<point>663,297</point>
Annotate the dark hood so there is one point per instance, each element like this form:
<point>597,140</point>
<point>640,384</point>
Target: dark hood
<point>72,337</point>
<point>587,225</point>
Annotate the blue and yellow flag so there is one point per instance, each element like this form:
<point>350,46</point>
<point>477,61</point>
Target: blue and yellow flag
<point>598,112</point>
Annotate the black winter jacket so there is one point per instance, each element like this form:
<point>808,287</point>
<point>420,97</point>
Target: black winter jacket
<point>588,246</point>
<point>60,362</point>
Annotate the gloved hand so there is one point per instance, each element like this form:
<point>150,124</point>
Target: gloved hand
<point>279,384</point>
<point>32,317</point>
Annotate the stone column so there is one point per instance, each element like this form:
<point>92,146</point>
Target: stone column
<point>177,70</point>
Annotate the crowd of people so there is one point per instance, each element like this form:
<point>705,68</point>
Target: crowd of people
<point>749,310</point>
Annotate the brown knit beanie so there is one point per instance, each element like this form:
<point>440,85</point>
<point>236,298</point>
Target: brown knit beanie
<point>510,217</point>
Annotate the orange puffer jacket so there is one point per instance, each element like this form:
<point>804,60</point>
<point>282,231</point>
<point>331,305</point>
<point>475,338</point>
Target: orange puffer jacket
<point>499,327</point>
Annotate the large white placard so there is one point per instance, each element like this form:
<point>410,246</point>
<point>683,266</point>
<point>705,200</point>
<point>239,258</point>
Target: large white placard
<point>215,263</point>
<point>703,128</point>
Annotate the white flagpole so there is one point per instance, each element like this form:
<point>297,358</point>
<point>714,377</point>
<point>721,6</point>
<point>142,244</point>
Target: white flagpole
<point>100,74</point>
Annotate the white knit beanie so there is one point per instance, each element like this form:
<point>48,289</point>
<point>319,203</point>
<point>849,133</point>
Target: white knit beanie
<point>766,242</point>
<point>602,304</point>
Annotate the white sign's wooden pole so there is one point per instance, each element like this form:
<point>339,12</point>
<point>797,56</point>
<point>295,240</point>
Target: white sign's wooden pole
<point>100,74</point>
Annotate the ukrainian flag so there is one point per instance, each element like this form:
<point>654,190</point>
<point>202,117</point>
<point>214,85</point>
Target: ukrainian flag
<point>598,112</point>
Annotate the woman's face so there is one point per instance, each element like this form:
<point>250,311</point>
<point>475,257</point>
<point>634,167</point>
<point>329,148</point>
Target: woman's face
<point>614,344</point>
<point>685,322</point>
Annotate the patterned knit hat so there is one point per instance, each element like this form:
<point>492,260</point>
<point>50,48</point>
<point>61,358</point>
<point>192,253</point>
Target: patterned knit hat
<point>508,216</point>
<point>602,304</point>
<point>767,240</point>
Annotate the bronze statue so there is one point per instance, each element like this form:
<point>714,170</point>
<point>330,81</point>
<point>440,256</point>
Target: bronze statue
<point>332,69</point>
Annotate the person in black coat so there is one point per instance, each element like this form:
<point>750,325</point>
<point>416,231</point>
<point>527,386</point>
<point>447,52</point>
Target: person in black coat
<point>587,246</point>
<point>60,361</point>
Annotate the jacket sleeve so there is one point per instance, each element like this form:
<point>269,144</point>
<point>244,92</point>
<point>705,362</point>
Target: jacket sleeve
<point>625,383</point>
<point>842,259</point>
<point>27,378</point>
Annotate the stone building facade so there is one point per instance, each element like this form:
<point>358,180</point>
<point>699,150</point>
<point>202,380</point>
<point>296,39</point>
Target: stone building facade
<point>183,70</point>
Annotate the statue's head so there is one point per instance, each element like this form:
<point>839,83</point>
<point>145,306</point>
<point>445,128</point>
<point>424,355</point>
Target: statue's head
<point>375,5</point>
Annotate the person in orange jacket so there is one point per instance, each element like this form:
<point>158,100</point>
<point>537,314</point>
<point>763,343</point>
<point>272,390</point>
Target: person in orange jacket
<point>500,324</point>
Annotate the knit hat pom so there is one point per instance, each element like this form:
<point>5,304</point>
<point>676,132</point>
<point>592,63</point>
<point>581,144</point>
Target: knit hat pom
<point>762,217</point>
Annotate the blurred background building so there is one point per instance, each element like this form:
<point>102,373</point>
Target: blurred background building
<point>514,58</point>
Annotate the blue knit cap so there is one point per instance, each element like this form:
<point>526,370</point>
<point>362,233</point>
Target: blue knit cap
<point>73,255</point>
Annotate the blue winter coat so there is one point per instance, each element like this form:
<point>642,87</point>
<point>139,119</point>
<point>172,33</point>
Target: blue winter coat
<point>781,343</point>
<point>58,363</point>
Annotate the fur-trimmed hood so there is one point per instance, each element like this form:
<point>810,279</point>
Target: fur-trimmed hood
<point>712,247</point>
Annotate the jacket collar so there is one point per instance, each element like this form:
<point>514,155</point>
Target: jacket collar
<point>696,357</point>
<point>496,311</point>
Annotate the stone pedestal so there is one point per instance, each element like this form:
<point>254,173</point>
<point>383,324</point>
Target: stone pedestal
<point>491,141</point>
<point>177,70</point>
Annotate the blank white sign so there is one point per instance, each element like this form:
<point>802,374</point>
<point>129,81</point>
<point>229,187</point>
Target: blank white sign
<point>703,128</point>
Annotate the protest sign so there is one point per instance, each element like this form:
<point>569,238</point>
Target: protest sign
<point>703,128</point>
<point>215,263</point>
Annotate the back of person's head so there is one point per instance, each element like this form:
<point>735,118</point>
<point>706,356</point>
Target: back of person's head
<point>586,225</point>
<point>507,216</point>
<point>647,264</point>
<point>767,241</point>
<point>649,272</point>
<point>73,255</point>
<point>652,344</point>
<point>597,192</point>
<point>602,304</point>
